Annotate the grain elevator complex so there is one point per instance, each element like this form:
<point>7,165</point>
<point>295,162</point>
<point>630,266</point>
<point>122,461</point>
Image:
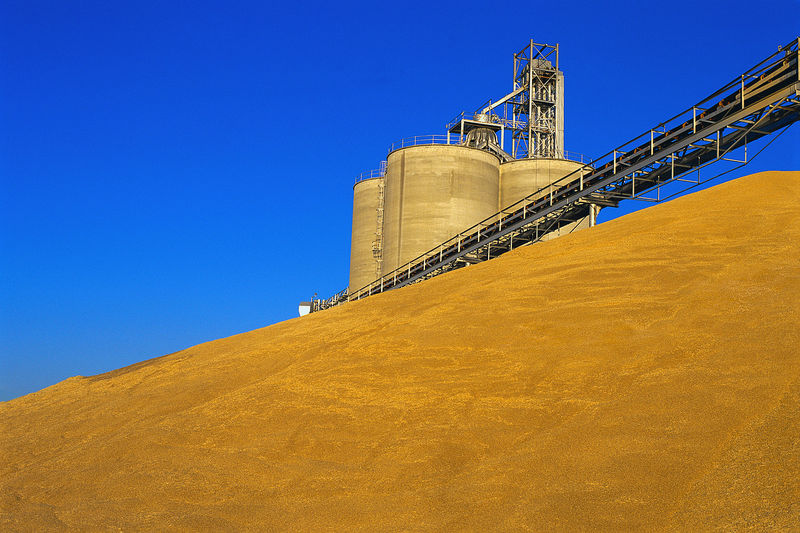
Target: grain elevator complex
<point>432,187</point>
<point>500,178</point>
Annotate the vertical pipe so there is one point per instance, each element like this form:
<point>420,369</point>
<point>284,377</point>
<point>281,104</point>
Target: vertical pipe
<point>514,110</point>
<point>530,96</point>
<point>742,93</point>
<point>557,46</point>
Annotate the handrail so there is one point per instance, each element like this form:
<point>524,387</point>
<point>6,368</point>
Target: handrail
<point>574,156</point>
<point>417,140</point>
<point>456,139</point>
<point>374,173</point>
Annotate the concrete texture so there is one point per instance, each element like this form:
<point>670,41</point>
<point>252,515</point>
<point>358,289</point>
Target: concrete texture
<point>522,177</point>
<point>432,193</point>
<point>362,261</point>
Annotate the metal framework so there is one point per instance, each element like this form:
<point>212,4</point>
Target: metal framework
<point>762,101</point>
<point>534,110</point>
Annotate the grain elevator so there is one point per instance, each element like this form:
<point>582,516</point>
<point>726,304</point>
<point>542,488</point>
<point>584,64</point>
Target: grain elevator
<point>432,187</point>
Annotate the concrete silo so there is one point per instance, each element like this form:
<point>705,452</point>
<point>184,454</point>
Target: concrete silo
<point>521,177</point>
<point>434,192</point>
<point>365,241</point>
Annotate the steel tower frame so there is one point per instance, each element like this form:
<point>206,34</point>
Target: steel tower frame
<point>535,108</point>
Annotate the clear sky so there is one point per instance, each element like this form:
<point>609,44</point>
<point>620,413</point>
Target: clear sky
<point>175,172</point>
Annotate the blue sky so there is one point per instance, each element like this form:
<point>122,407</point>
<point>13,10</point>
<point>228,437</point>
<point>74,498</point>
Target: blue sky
<point>176,172</point>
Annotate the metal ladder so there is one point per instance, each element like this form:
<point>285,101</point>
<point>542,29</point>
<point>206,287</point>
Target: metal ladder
<point>377,244</point>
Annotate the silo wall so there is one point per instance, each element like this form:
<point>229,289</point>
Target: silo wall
<point>522,177</point>
<point>432,193</point>
<point>365,209</point>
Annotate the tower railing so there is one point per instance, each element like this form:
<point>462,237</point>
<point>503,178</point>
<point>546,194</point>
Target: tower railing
<point>456,139</point>
<point>375,173</point>
<point>417,140</point>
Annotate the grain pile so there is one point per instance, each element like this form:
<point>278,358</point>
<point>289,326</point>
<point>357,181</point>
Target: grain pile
<point>644,374</point>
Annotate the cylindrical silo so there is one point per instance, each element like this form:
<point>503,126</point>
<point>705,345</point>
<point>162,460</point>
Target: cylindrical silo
<point>434,192</point>
<point>522,177</point>
<point>366,202</point>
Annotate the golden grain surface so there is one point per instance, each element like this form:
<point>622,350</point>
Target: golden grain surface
<point>641,375</point>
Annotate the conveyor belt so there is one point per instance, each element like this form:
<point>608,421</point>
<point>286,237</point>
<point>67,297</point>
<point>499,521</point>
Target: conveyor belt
<point>760,102</point>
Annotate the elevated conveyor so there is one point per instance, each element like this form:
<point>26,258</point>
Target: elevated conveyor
<point>762,101</point>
